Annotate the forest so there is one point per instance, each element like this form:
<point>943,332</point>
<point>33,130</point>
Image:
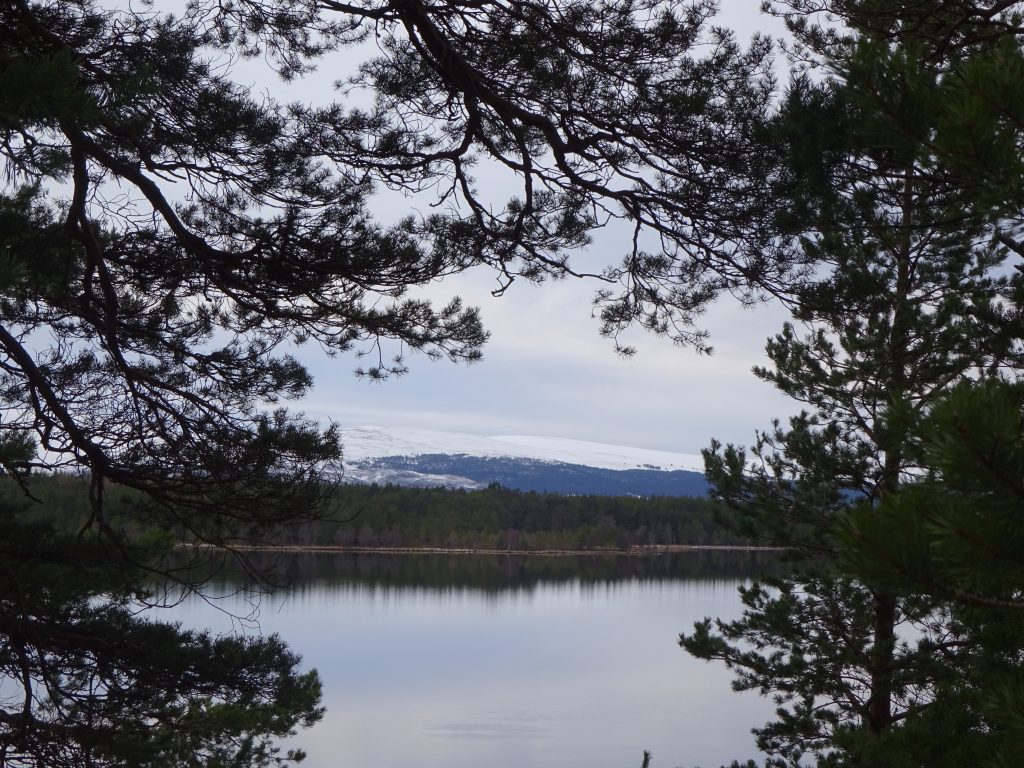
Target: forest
<point>371,516</point>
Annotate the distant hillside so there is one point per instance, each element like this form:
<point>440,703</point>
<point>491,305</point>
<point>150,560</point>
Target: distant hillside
<point>524,474</point>
<point>432,459</point>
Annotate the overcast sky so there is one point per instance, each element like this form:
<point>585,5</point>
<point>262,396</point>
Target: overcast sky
<point>546,371</point>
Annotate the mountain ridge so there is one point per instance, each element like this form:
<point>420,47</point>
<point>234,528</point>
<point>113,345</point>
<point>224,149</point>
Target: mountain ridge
<point>429,458</point>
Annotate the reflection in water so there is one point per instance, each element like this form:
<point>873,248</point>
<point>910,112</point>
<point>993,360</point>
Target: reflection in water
<point>511,662</point>
<point>502,573</point>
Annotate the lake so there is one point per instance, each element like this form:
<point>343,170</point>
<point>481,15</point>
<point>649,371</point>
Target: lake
<point>509,662</point>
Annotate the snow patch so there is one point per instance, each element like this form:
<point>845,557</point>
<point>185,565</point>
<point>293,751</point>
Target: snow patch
<point>373,442</point>
<point>384,476</point>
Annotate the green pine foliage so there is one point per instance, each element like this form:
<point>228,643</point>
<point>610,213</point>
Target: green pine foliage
<point>954,536</point>
<point>909,290</point>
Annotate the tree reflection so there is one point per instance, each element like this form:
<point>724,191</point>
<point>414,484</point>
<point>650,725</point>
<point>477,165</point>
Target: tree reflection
<point>501,573</point>
<point>89,679</point>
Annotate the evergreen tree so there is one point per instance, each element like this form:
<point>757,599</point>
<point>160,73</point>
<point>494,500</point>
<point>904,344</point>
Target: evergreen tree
<point>955,537</point>
<point>908,292</point>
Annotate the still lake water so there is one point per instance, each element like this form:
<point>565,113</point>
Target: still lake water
<point>496,662</point>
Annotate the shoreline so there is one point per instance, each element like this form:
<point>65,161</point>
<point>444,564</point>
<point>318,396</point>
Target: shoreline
<point>638,550</point>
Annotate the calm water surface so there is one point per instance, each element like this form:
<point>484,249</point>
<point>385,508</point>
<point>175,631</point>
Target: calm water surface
<point>510,662</point>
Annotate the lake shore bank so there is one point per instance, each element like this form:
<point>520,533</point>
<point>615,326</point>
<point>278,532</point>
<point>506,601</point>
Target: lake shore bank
<point>639,550</point>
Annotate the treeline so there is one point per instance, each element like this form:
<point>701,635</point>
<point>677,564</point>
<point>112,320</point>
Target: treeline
<point>394,516</point>
<point>499,518</point>
<point>62,499</point>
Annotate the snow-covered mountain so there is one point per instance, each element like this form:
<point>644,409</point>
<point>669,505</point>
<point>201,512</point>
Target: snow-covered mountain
<point>419,457</point>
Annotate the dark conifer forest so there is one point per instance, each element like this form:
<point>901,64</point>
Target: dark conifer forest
<point>383,517</point>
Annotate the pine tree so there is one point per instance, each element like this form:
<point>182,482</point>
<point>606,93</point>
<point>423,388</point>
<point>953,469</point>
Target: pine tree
<point>907,292</point>
<point>955,537</point>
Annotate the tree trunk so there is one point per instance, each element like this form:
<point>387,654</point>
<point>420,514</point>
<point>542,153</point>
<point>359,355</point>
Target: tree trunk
<point>879,714</point>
